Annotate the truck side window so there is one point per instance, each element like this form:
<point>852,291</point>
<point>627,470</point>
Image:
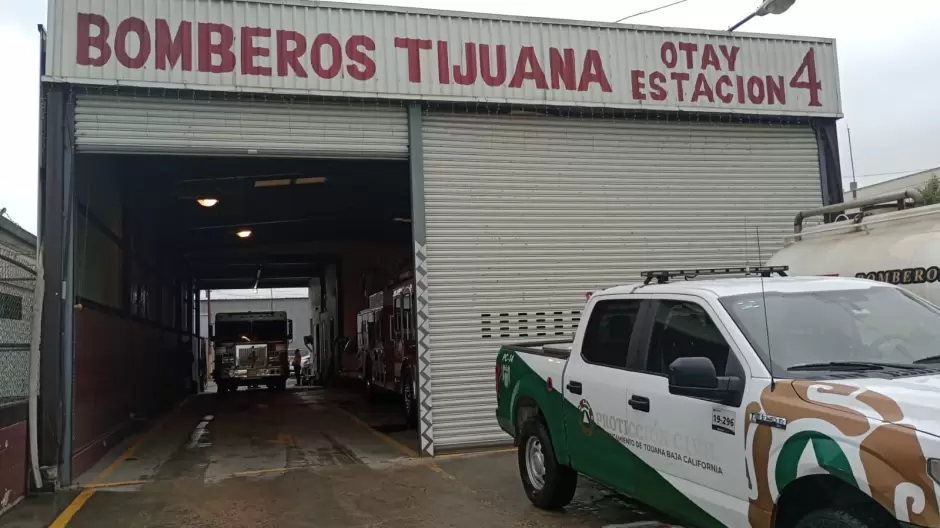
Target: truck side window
<point>607,338</point>
<point>409,321</point>
<point>397,329</point>
<point>683,329</point>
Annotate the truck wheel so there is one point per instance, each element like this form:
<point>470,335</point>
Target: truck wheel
<point>861,516</point>
<point>548,484</point>
<point>369,386</point>
<point>409,397</point>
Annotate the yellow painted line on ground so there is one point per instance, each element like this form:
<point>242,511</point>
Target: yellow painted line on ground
<point>120,484</point>
<point>472,454</point>
<point>255,472</point>
<point>378,434</point>
<point>66,516</point>
<point>76,505</point>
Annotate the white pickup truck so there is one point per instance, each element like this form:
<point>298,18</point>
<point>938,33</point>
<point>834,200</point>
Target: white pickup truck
<point>677,394</point>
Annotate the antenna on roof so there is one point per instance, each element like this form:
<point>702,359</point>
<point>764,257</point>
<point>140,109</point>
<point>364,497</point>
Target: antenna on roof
<point>763,295</point>
<point>747,244</point>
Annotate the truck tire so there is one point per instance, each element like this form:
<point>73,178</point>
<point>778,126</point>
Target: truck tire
<point>548,484</point>
<point>369,385</point>
<point>409,397</point>
<point>861,516</point>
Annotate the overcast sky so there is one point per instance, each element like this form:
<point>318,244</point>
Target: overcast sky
<point>888,59</point>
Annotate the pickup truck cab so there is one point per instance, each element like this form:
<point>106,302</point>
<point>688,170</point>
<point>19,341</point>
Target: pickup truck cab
<point>784,402</point>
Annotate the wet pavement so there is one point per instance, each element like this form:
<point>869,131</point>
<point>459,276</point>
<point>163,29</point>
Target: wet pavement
<point>303,458</point>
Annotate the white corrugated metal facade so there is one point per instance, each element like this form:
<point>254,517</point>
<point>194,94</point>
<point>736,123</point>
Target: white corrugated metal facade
<point>525,215</point>
<point>213,126</point>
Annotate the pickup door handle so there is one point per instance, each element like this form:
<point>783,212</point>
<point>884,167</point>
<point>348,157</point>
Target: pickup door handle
<point>574,387</point>
<point>640,403</point>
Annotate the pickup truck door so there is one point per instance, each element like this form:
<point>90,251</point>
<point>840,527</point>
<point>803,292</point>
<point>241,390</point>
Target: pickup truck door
<point>595,393</point>
<point>696,445</point>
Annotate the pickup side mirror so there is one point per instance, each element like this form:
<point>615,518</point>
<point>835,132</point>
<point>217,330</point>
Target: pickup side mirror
<point>695,377</point>
<point>290,329</point>
<point>211,331</point>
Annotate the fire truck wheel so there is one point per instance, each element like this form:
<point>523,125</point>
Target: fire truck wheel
<point>409,396</point>
<point>369,385</point>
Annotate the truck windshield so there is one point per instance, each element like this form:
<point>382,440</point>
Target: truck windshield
<point>251,331</point>
<point>872,325</point>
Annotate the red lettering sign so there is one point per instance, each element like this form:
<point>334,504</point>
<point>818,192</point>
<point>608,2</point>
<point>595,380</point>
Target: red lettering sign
<point>291,47</point>
<point>251,51</point>
<point>142,34</point>
<point>215,41</point>
<point>356,49</point>
<point>173,49</point>
<point>766,90</point>
<point>98,41</point>
<point>688,71</point>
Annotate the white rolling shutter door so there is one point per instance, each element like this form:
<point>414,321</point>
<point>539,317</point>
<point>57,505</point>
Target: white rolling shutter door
<point>526,215</point>
<point>128,124</point>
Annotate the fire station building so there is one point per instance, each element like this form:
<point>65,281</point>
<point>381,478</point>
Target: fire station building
<point>513,165</point>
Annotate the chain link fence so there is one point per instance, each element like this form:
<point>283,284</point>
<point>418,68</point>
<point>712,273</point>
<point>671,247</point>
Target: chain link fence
<point>17,284</point>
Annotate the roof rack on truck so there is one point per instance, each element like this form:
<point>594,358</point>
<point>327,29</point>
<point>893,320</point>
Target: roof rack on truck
<point>663,276</point>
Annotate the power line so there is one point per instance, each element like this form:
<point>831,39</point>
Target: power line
<point>651,10</point>
<point>877,174</point>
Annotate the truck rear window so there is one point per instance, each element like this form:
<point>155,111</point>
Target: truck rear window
<point>607,338</point>
<point>251,332</point>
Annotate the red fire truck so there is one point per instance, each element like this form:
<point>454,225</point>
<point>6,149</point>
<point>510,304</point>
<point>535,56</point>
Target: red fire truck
<point>387,344</point>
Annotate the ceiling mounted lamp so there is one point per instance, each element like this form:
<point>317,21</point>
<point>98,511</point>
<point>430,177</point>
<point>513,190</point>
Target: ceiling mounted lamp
<point>272,183</point>
<point>311,180</point>
<point>244,233</point>
<point>207,202</point>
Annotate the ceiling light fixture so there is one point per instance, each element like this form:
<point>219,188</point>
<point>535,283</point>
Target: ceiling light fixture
<point>402,220</point>
<point>207,202</point>
<point>306,181</point>
<point>272,183</point>
<point>244,233</point>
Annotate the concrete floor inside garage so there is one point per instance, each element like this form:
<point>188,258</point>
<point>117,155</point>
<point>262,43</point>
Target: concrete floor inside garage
<point>321,460</point>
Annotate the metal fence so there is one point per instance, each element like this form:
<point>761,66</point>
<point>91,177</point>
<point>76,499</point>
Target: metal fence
<point>17,284</point>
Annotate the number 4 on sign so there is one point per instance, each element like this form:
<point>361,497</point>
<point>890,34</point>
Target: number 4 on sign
<point>812,84</point>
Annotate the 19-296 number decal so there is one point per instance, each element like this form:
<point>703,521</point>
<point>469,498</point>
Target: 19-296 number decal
<point>723,420</point>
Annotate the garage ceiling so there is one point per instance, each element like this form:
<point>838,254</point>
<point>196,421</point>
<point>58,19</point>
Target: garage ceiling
<point>282,201</point>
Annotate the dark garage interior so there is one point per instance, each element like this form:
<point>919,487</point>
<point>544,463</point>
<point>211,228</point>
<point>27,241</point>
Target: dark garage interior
<point>145,247</point>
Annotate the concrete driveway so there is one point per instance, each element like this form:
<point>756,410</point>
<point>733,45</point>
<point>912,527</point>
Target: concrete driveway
<point>302,458</point>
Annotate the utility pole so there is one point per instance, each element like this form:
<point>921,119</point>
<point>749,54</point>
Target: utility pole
<point>210,359</point>
<point>854,185</point>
